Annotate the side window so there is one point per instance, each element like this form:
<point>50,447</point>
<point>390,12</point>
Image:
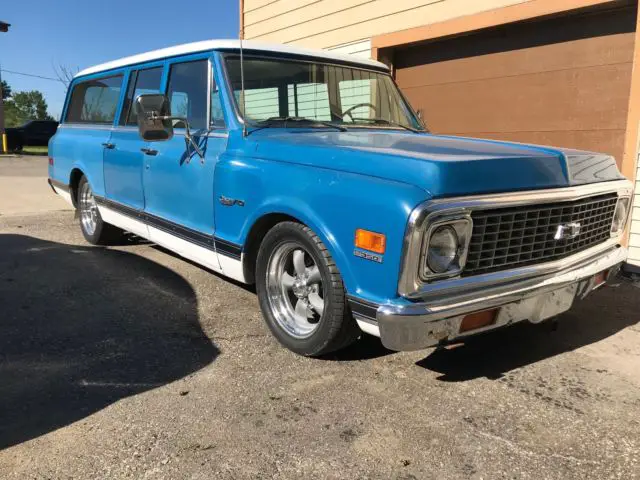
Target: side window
<point>217,114</point>
<point>187,92</point>
<point>95,101</point>
<point>140,83</point>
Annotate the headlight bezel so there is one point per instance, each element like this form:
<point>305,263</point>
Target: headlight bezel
<point>625,217</point>
<point>462,225</point>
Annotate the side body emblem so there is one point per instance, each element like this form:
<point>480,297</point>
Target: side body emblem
<point>230,202</point>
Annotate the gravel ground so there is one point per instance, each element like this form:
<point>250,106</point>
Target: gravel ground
<point>129,362</point>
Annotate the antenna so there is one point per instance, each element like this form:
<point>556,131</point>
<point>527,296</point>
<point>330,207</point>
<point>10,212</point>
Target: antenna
<point>244,107</point>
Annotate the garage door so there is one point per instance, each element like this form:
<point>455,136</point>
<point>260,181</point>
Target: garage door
<point>563,81</point>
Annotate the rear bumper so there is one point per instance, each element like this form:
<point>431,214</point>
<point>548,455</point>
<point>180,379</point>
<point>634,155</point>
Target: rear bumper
<point>420,325</point>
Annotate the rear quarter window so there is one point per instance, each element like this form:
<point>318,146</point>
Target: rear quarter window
<point>95,101</point>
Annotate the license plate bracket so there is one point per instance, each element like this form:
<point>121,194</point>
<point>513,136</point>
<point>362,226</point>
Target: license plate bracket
<point>539,308</point>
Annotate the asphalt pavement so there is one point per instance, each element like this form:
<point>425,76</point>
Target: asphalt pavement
<point>130,362</point>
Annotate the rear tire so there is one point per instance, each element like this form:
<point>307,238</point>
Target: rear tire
<point>301,293</point>
<point>95,230</point>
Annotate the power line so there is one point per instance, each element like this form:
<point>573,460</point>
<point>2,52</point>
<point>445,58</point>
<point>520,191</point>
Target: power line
<point>32,75</point>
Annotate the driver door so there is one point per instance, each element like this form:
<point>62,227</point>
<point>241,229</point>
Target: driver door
<point>178,183</point>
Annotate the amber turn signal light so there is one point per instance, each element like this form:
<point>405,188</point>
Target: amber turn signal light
<point>477,320</point>
<point>371,241</point>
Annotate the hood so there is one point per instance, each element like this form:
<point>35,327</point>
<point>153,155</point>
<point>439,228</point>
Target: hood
<point>440,165</point>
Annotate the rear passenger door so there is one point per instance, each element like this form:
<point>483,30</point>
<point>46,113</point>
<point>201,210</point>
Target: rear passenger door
<point>123,157</point>
<point>178,184</point>
<point>88,120</point>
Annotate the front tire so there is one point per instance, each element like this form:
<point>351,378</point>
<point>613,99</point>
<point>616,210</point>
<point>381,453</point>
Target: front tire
<point>301,293</point>
<point>95,230</point>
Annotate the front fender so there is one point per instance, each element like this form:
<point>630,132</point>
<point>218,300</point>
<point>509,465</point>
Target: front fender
<point>332,203</point>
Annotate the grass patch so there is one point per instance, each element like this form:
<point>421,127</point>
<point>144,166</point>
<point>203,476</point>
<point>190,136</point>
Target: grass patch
<point>35,151</point>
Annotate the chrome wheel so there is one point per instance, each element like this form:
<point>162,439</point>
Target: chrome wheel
<point>295,290</point>
<point>88,209</point>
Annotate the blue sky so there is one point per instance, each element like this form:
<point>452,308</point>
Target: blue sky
<point>81,33</point>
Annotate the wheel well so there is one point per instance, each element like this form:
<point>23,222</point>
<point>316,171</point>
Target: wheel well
<point>254,239</point>
<point>74,181</point>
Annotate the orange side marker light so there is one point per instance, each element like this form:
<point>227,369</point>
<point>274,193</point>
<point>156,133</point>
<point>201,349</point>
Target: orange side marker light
<point>371,241</point>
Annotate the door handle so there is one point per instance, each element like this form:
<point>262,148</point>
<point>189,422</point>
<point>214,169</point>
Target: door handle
<point>108,145</point>
<point>149,151</point>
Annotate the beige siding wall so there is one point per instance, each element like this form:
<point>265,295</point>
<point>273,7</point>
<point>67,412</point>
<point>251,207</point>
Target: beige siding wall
<point>329,23</point>
<point>359,49</point>
<point>634,240</point>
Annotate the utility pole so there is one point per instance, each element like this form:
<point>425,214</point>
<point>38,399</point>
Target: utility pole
<point>4,27</point>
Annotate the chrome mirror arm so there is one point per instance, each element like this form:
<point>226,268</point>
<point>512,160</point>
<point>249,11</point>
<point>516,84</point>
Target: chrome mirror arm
<point>189,139</point>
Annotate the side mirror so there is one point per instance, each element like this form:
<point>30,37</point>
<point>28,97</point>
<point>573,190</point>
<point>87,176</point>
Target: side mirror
<point>154,117</point>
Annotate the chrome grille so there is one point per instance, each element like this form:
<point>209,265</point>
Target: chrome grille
<point>517,236</point>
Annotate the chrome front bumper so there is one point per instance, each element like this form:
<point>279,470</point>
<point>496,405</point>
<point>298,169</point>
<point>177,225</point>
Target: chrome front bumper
<point>535,298</point>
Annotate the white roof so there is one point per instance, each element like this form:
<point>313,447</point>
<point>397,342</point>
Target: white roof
<point>207,45</point>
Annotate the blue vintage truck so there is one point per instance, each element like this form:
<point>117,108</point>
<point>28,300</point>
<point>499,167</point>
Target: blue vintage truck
<point>309,174</point>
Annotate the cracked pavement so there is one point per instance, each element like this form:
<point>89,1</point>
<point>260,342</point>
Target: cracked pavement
<point>129,362</point>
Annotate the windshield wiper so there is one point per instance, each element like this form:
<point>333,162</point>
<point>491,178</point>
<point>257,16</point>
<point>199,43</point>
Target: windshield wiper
<point>388,122</point>
<point>311,122</point>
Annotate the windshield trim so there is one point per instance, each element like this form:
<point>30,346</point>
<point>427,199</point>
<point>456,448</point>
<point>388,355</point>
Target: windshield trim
<point>225,55</point>
<point>271,55</point>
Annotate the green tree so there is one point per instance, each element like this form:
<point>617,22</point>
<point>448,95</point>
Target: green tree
<point>23,106</point>
<point>12,118</point>
<point>6,90</point>
<point>31,104</point>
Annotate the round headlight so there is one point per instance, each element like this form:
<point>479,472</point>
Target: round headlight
<point>620,216</point>
<point>443,249</point>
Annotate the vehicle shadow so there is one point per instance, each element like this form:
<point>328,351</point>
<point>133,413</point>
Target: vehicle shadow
<point>81,328</point>
<point>366,347</point>
<point>248,287</point>
<point>491,355</point>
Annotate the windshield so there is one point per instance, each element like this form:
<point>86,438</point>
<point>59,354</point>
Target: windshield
<point>278,89</point>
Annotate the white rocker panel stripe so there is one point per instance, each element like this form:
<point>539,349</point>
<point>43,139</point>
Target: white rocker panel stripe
<point>209,258</point>
<point>124,222</point>
<point>368,327</point>
<point>198,254</point>
<point>64,194</point>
